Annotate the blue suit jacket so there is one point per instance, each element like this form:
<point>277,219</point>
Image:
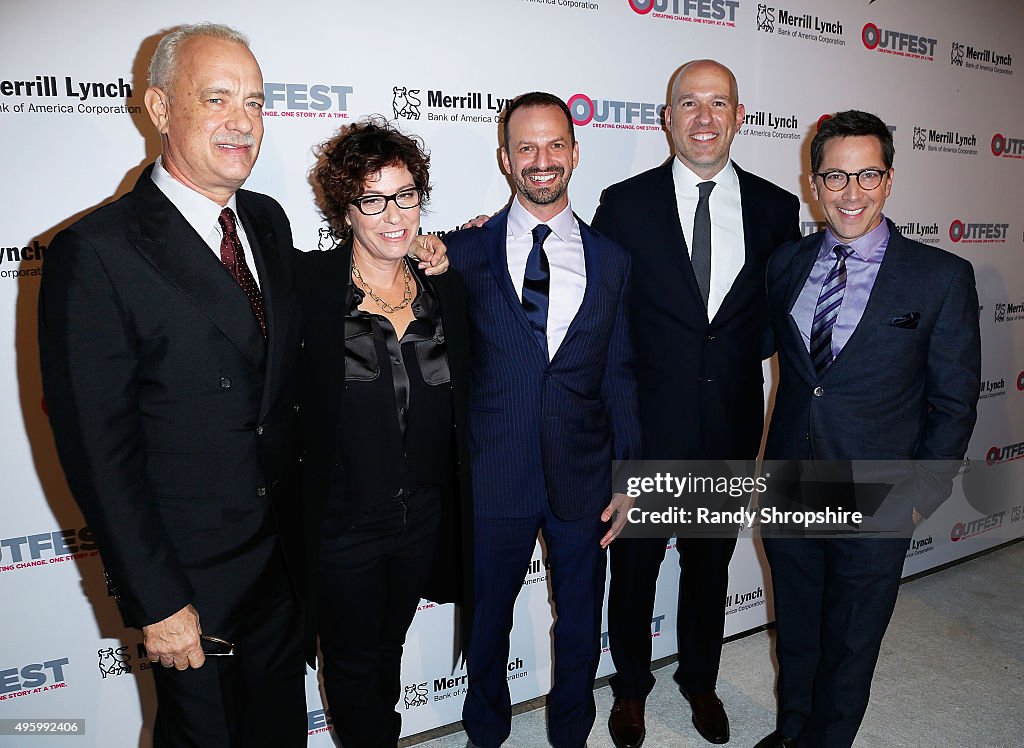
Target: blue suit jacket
<point>546,431</point>
<point>905,386</point>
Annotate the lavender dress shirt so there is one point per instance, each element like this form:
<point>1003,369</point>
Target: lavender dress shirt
<point>861,270</point>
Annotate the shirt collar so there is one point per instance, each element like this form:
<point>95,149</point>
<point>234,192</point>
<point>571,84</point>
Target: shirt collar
<point>201,212</point>
<point>868,248</point>
<point>521,221</point>
<point>686,180</point>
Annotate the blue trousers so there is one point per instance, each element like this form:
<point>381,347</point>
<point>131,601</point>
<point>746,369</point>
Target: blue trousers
<point>503,548</point>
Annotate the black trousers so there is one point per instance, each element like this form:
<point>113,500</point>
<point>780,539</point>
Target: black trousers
<point>834,598</point>
<point>371,579</point>
<point>700,621</point>
<point>256,697</point>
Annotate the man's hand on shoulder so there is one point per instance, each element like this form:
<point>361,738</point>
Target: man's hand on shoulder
<point>174,641</point>
<point>618,508</point>
<point>475,223</point>
<point>431,253</point>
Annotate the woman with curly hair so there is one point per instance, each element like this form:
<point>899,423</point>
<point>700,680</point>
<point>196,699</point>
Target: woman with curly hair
<point>385,407</point>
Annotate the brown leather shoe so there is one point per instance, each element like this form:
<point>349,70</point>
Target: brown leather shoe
<point>709,716</point>
<point>775,740</point>
<point>626,723</point>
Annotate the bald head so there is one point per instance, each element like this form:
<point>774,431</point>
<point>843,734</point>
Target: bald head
<point>703,116</point>
<point>694,68</point>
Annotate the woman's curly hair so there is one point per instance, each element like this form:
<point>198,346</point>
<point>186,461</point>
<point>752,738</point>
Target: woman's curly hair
<point>357,153</point>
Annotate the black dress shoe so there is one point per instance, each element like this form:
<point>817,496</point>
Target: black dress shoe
<point>626,723</point>
<point>775,740</point>
<point>708,716</point>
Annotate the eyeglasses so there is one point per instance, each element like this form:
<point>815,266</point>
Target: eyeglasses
<point>214,646</point>
<point>836,180</point>
<point>372,205</point>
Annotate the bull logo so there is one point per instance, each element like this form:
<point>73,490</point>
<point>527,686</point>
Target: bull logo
<point>114,661</point>
<point>956,54</point>
<point>327,240</point>
<point>415,695</point>
<point>405,103</point>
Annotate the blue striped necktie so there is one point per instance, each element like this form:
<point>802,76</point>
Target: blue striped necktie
<point>827,309</point>
<point>536,283</point>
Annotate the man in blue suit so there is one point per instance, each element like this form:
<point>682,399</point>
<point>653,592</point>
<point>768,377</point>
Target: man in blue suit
<point>552,403</point>
<point>879,359</point>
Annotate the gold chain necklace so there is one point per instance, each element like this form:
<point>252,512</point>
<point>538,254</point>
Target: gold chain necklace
<point>384,305</point>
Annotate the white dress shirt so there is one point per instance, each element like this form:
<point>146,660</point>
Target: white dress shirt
<point>728,251</point>
<point>564,248</point>
<point>202,213</point>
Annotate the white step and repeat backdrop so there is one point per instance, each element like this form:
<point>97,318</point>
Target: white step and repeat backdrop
<point>946,74</point>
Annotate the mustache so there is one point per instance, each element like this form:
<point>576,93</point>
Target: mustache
<point>559,170</point>
<point>245,139</point>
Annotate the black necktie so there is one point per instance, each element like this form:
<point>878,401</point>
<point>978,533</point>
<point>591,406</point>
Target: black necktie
<point>536,283</point>
<point>233,256</point>
<point>700,255</point>
<point>830,299</point>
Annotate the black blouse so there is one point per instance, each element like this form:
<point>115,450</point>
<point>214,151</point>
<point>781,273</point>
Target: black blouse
<point>397,403</point>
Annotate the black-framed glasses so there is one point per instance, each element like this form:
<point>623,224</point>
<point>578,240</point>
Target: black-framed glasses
<point>836,180</point>
<point>371,205</point>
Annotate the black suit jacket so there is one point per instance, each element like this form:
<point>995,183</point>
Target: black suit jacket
<point>174,418</point>
<point>904,387</point>
<point>325,288</point>
<point>700,381</point>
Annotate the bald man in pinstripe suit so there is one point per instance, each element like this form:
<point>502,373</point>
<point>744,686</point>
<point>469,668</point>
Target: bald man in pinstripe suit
<point>553,402</point>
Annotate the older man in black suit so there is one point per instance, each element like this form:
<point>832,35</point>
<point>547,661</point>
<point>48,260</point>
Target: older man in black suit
<point>699,230</point>
<point>168,337</point>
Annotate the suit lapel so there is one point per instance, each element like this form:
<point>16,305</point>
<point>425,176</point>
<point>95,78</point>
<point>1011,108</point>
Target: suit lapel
<point>754,227</point>
<point>267,262</point>
<point>799,270</point>
<point>497,231</point>
<point>336,290</point>
<point>886,287</point>
<point>172,246</point>
<point>592,263</point>
<point>665,212</point>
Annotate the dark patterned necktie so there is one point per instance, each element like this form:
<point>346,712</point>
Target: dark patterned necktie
<point>233,256</point>
<point>700,254</point>
<point>536,284</point>
<point>827,309</point>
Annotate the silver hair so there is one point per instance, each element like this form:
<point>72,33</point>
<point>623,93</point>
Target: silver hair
<point>164,64</point>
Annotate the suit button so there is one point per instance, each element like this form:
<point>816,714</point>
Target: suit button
<point>709,338</point>
<point>819,391</point>
<point>547,375</point>
<point>261,491</point>
<point>225,383</point>
<point>295,407</point>
<point>259,431</point>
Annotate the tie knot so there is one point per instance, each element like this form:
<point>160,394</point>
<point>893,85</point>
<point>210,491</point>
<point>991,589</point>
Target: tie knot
<point>541,232</point>
<point>227,221</point>
<point>842,251</point>
<point>704,189</point>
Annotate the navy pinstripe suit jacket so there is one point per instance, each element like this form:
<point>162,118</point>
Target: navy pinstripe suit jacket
<point>546,431</point>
